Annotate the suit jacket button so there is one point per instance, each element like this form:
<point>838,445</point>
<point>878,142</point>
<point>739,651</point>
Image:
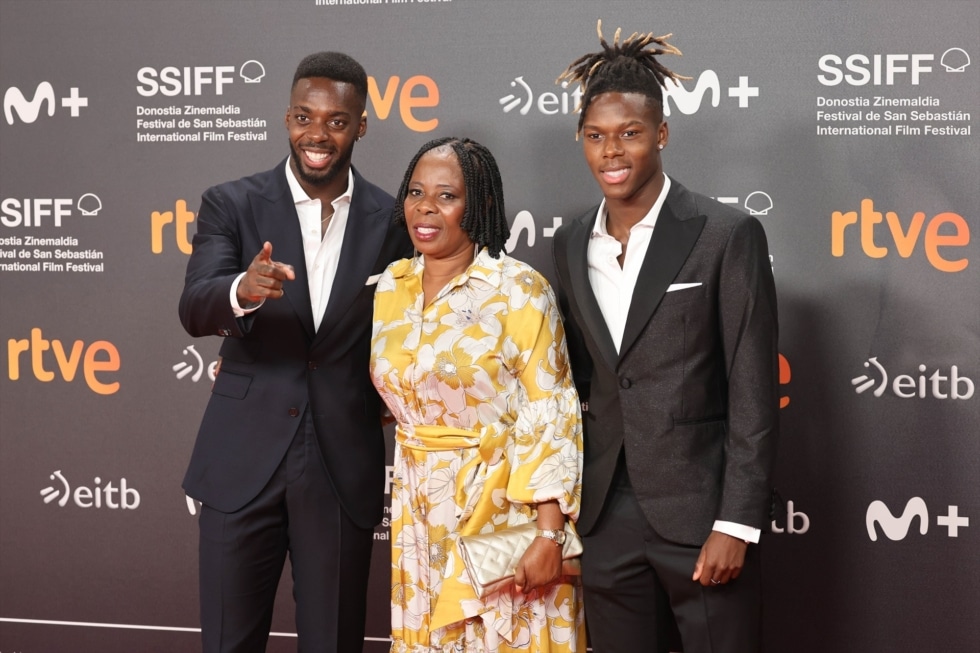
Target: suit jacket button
<point>294,412</point>
<point>311,365</point>
<point>625,383</point>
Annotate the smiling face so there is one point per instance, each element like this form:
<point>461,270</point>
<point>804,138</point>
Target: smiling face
<point>435,204</point>
<point>324,119</point>
<point>623,135</point>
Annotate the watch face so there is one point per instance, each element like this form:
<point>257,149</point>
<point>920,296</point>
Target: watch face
<point>556,536</point>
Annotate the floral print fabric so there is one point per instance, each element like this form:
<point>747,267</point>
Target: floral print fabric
<point>488,427</point>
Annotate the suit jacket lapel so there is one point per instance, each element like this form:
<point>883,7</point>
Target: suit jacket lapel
<point>677,230</point>
<point>578,270</point>
<point>276,221</point>
<point>367,226</point>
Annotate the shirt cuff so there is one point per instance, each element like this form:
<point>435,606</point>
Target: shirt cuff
<point>740,531</point>
<point>233,298</point>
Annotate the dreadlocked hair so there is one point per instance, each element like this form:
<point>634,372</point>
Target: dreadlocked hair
<point>624,67</point>
<point>484,220</point>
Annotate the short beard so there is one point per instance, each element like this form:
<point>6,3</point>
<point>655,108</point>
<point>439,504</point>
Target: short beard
<point>321,178</point>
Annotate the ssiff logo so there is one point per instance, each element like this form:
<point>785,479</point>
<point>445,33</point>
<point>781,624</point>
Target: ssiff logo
<point>937,385</point>
<point>956,233</point>
<point>897,528</point>
<point>28,111</point>
<point>39,212</point>
<point>860,69</point>
<point>756,203</point>
<point>114,497</point>
<point>171,81</point>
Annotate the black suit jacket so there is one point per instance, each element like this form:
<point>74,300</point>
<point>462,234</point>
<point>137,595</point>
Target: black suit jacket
<point>693,393</point>
<point>274,364</point>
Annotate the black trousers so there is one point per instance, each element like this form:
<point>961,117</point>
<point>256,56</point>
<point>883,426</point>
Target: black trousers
<point>242,555</point>
<point>639,592</point>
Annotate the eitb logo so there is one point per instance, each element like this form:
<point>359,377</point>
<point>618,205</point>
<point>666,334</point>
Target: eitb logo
<point>937,383</point>
<point>114,496</point>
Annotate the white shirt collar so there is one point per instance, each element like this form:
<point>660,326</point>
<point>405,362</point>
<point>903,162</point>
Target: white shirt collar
<point>648,221</point>
<point>299,195</point>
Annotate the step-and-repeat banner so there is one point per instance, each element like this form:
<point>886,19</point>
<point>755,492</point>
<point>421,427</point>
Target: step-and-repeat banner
<point>847,128</point>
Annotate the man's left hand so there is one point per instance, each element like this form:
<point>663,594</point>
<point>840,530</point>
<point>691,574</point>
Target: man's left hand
<point>721,559</point>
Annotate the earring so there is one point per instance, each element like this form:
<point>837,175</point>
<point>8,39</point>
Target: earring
<point>660,147</point>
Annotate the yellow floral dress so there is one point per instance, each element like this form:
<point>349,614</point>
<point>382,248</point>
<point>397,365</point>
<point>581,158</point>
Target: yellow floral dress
<point>488,427</point>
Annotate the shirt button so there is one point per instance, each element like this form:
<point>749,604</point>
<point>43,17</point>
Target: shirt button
<point>294,412</point>
<point>625,383</point>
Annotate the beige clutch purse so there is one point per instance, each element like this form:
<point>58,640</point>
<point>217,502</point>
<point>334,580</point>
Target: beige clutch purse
<point>492,557</point>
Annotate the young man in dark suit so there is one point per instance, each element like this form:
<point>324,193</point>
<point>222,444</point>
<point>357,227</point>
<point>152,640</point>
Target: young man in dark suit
<point>670,308</point>
<point>289,458</point>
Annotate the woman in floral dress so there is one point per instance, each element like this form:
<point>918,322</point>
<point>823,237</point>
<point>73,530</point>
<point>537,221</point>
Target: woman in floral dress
<point>469,354</point>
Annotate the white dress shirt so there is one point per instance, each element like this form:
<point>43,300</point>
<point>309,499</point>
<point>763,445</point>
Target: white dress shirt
<point>322,254</point>
<point>613,288</point>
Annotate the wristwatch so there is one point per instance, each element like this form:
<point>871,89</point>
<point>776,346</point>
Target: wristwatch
<point>556,536</point>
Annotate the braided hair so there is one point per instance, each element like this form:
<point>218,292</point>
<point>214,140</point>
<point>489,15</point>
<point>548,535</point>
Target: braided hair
<point>484,220</point>
<point>624,67</point>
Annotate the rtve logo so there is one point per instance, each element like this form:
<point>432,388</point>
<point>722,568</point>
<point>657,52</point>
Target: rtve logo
<point>96,360</point>
<point>14,102</point>
<point>878,69</point>
<point>785,376</point>
<point>409,100</point>
<point>181,219</point>
<point>905,386</point>
<point>896,528</point>
<point>955,234</point>
<point>35,212</point>
<point>687,102</point>
<point>112,497</point>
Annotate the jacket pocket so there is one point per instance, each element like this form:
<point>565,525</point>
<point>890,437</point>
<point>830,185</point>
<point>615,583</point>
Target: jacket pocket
<point>231,384</point>
<point>690,421</point>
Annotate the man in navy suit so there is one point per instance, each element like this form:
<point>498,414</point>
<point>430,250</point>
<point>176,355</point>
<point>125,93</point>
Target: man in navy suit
<point>289,458</point>
<point>670,311</point>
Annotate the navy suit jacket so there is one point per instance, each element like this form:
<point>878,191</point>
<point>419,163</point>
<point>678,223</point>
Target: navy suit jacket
<point>275,366</point>
<point>692,394</point>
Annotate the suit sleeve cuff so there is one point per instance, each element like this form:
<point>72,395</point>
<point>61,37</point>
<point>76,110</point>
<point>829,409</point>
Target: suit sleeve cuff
<point>233,298</point>
<point>740,531</point>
